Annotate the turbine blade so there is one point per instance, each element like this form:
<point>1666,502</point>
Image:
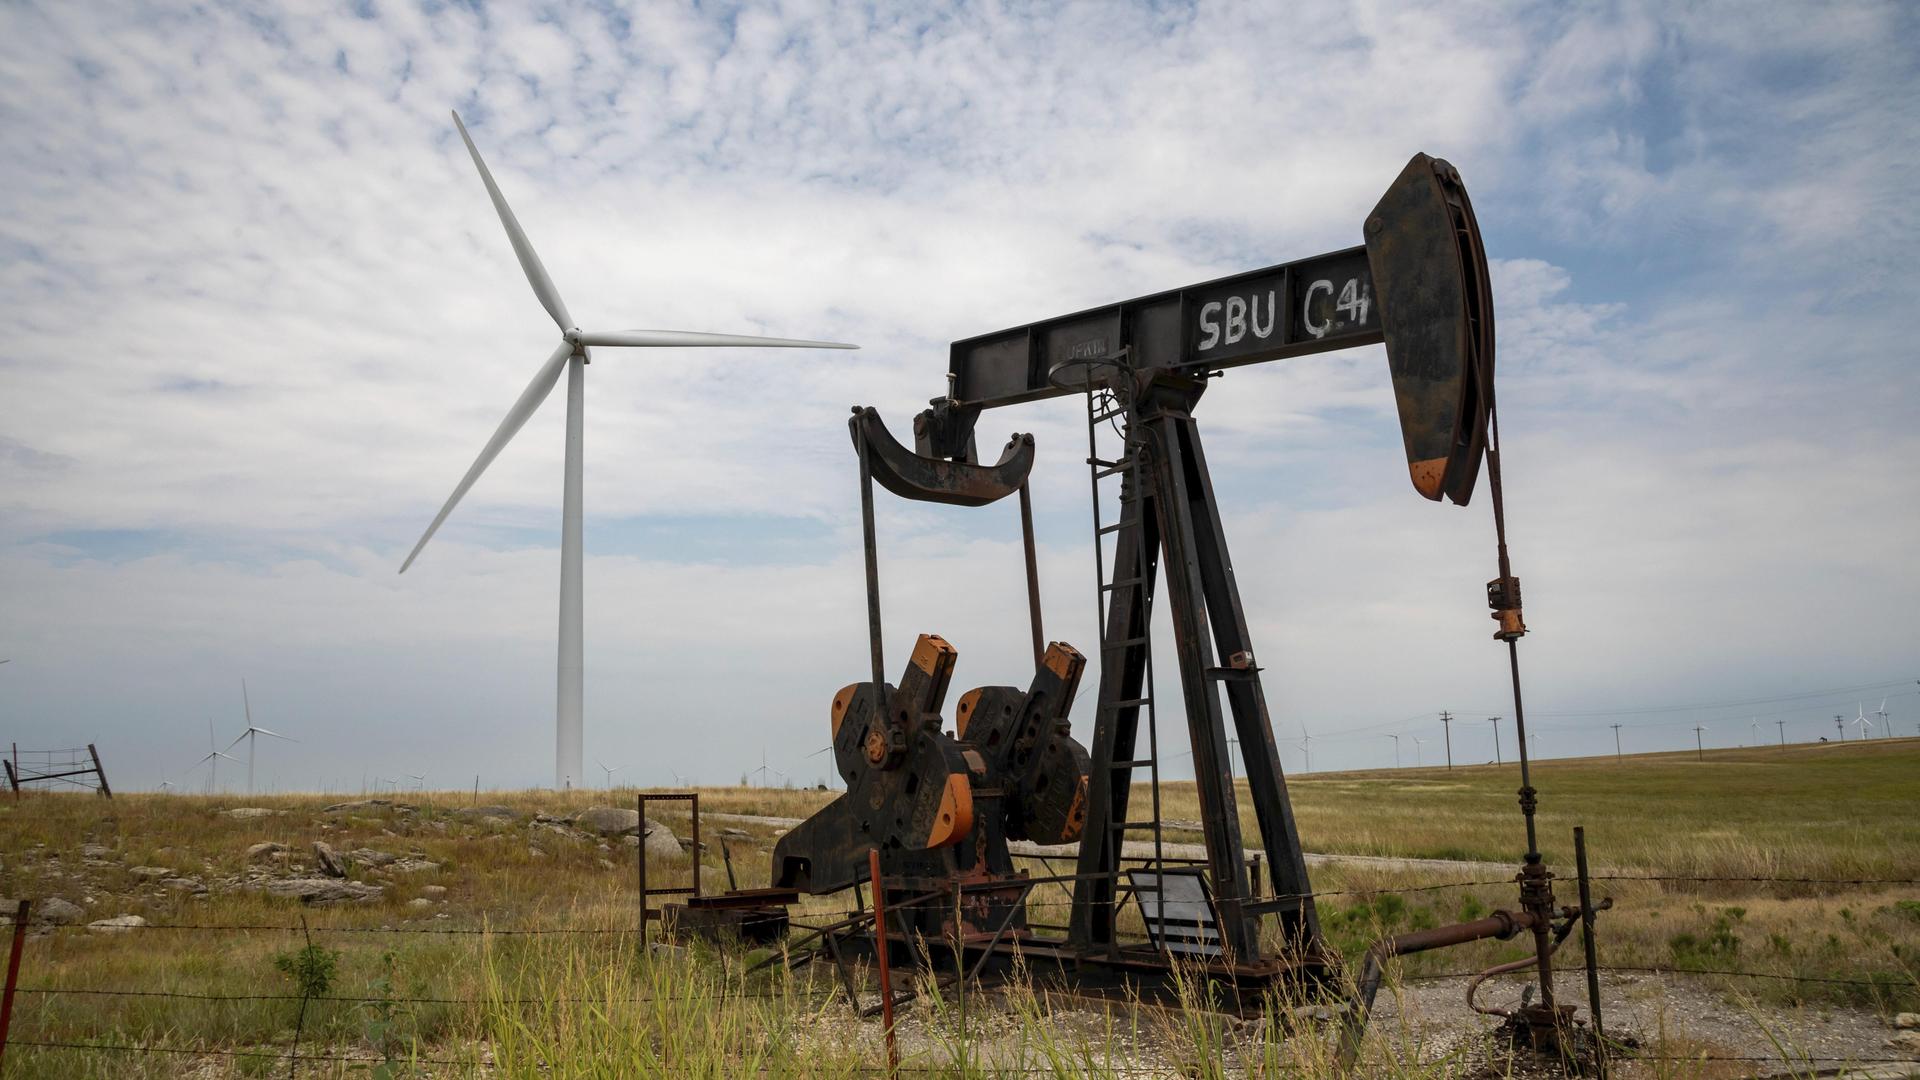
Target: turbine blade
<point>669,339</point>
<point>276,734</point>
<point>237,741</point>
<point>246,702</point>
<point>536,273</point>
<point>529,401</point>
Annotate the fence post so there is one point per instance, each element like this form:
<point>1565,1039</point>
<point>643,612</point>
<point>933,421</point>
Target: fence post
<point>13,974</point>
<point>880,950</point>
<point>693,798</point>
<point>99,772</point>
<point>1586,939</point>
<point>640,859</point>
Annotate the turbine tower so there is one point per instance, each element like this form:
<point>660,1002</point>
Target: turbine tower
<point>571,354</point>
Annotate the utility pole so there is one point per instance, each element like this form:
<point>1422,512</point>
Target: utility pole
<point>1782,725</point>
<point>1840,722</point>
<point>1446,725</point>
<point>1396,750</point>
<point>1616,742</point>
<point>1699,751</point>
<point>1495,721</point>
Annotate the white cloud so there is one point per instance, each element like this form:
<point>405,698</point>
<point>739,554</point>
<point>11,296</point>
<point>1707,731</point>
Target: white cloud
<point>256,316</point>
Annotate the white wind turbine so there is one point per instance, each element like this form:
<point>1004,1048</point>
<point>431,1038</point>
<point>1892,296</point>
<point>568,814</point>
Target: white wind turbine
<point>212,760</point>
<point>1862,720</point>
<point>571,354</point>
<point>1885,727</point>
<point>252,735</point>
<point>609,771</point>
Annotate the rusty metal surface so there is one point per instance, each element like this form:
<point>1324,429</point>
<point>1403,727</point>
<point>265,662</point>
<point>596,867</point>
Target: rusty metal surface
<point>908,782</point>
<point>754,924</point>
<point>1028,749</point>
<point>932,479</point>
<point>1437,314</point>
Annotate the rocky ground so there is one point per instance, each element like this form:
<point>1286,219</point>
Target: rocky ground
<point>87,889</point>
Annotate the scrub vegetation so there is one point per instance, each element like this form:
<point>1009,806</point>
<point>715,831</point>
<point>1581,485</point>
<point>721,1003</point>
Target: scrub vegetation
<point>582,1000</point>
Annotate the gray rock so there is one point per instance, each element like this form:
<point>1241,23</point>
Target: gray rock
<point>434,892</point>
<point>182,884</point>
<point>1907,1021</point>
<point>119,924</point>
<point>54,911</point>
<point>249,813</point>
<point>661,843</point>
<point>1907,1042</point>
<point>371,857</point>
<point>608,820</point>
<point>265,852</point>
<point>95,851</point>
<point>328,860</point>
<point>414,866</point>
<point>150,873</point>
<point>419,902</point>
<point>324,891</point>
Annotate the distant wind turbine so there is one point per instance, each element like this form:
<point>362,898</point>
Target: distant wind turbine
<point>571,354</point>
<point>1885,727</point>
<point>608,771</point>
<point>764,768</point>
<point>252,734</point>
<point>1863,721</point>
<point>212,760</point>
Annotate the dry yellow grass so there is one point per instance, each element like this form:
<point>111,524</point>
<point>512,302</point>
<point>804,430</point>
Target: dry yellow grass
<point>1735,816</point>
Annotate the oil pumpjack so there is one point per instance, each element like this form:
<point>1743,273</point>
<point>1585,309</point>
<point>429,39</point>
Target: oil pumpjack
<point>943,803</point>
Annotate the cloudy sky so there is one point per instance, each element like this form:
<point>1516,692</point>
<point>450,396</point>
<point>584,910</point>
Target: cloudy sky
<point>257,316</point>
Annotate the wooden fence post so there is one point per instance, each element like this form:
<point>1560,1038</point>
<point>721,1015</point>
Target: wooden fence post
<point>13,974</point>
<point>880,950</point>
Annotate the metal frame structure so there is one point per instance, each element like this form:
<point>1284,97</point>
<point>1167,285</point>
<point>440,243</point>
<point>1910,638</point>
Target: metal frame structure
<point>692,799</point>
<point>41,766</point>
<point>935,811</point>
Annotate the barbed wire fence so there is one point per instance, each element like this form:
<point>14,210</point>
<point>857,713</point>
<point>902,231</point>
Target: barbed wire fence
<point>294,1056</point>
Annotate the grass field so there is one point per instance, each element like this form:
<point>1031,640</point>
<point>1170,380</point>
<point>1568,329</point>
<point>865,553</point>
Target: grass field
<point>587,1003</point>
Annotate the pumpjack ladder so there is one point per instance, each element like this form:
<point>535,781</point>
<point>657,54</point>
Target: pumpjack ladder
<point>1132,584</point>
